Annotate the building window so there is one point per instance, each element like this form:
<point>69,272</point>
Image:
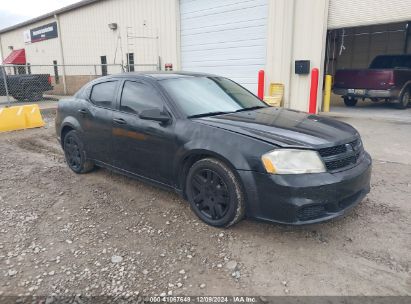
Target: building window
<point>130,62</point>
<point>56,72</point>
<point>103,65</point>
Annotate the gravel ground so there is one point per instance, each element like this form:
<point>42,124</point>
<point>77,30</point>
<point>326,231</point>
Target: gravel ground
<point>105,234</point>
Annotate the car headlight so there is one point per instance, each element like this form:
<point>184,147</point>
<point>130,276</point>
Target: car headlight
<point>290,161</point>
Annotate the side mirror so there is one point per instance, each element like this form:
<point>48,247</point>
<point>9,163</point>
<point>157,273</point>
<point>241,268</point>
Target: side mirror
<point>155,114</point>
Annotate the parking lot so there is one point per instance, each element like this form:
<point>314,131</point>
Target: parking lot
<point>102,233</point>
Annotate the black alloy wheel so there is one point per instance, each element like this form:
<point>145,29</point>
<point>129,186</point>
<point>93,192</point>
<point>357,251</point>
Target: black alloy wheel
<point>214,193</point>
<point>210,194</point>
<point>75,155</point>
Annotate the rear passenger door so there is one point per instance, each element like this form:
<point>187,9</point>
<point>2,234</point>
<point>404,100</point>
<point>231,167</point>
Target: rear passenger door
<point>96,117</point>
<point>143,147</point>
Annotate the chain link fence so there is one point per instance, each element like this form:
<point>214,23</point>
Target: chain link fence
<point>34,83</point>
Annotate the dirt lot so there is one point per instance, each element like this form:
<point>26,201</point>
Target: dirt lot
<point>102,233</point>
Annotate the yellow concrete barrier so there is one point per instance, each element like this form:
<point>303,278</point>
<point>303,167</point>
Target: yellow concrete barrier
<point>33,116</point>
<point>20,117</point>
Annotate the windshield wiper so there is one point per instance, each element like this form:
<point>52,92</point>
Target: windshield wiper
<point>251,108</point>
<point>209,114</point>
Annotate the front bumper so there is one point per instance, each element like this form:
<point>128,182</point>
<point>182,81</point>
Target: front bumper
<point>384,94</point>
<point>306,198</point>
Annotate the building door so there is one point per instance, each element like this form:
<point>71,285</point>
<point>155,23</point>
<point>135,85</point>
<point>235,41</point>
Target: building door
<point>352,13</point>
<point>226,38</point>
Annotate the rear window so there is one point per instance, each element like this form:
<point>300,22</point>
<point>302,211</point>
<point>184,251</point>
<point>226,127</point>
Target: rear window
<point>391,62</point>
<point>103,94</point>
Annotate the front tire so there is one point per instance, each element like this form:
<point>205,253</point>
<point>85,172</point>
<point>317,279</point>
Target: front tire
<point>215,193</point>
<point>404,100</point>
<point>75,154</point>
<point>350,101</point>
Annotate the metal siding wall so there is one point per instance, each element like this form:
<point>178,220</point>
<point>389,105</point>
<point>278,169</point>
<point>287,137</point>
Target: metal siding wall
<point>87,30</point>
<point>43,52</point>
<point>350,13</point>
<point>296,31</point>
<point>86,36</point>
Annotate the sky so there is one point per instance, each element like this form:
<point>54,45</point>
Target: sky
<point>16,11</point>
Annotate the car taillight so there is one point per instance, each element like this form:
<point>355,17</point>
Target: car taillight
<point>49,79</point>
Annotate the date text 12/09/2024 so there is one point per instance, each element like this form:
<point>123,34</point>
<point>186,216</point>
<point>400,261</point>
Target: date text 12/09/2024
<point>203,299</point>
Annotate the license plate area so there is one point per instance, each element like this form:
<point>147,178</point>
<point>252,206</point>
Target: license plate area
<point>356,91</point>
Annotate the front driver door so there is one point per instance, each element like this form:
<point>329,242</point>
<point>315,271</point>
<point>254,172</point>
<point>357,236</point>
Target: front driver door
<point>143,147</point>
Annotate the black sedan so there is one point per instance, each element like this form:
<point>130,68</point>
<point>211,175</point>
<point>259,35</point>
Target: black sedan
<point>216,144</point>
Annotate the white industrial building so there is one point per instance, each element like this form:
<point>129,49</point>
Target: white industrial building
<point>233,38</point>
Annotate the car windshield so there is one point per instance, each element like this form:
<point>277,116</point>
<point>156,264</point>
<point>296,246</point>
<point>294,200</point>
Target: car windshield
<point>207,96</point>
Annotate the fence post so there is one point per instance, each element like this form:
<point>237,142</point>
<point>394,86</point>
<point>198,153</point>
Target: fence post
<point>5,84</point>
<point>63,66</point>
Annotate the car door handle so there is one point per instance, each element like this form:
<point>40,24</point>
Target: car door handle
<point>120,121</point>
<point>83,111</point>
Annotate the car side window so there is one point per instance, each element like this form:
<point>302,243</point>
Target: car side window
<point>103,94</point>
<point>137,97</point>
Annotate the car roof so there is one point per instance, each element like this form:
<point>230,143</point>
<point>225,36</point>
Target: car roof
<point>158,75</point>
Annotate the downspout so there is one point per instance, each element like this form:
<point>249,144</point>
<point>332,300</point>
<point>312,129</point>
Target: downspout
<point>63,67</point>
<point>320,99</point>
<point>178,35</point>
<point>290,74</point>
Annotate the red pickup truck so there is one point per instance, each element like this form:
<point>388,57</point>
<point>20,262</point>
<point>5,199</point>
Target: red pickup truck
<point>388,78</point>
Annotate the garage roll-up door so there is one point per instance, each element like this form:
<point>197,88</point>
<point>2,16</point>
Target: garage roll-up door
<point>226,37</point>
<point>351,13</point>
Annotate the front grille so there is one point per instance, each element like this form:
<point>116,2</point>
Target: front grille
<point>333,150</point>
<point>310,212</point>
<point>341,163</point>
<point>341,156</point>
<point>325,152</point>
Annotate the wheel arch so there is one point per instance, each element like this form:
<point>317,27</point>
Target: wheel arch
<point>194,156</point>
<point>68,124</point>
<point>406,86</point>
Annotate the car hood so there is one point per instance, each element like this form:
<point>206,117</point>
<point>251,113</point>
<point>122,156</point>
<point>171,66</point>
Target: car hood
<point>285,128</point>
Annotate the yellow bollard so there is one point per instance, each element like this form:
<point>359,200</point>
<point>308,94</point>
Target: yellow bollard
<point>327,93</point>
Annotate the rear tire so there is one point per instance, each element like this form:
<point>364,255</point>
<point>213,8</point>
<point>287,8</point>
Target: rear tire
<point>350,101</point>
<point>215,193</point>
<point>75,154</point>
<point>404,100</point>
